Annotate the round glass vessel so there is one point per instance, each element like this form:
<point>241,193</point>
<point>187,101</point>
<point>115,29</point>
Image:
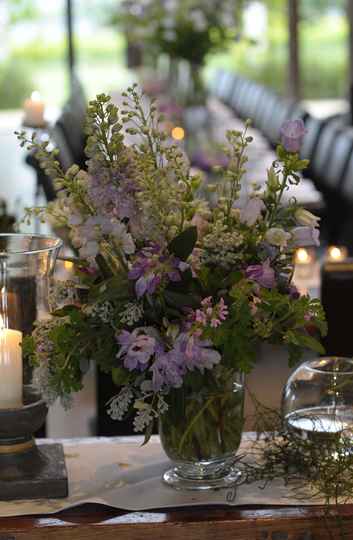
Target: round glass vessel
<point>318,397</point>
<point>201,432</point>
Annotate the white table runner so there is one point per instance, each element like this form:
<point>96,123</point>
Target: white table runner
<point>120,473</point>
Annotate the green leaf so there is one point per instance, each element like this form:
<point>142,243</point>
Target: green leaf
<point>312,343</point>
<point>65,311</point>
<point>180,300</point>
<point>184,243</point>
<point>148,434</point>
<point>120,376</point>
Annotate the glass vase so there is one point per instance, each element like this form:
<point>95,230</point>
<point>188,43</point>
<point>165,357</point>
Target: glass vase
<point>318,398</point>
<point>201,431</point>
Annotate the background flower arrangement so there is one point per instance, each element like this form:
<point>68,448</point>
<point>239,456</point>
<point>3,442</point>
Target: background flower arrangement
<point>170,292</point>
<point>183,29</point>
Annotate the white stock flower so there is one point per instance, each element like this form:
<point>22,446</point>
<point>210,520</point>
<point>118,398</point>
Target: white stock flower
<point>252,211</point>
<point>277,237</point>
<point>123,239</point>
<point>89,250</point>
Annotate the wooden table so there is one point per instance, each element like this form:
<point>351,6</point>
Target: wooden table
<point>91,522</point>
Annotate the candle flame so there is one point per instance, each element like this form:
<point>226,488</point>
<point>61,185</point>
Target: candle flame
<point>302,256</point>
<point>35,96</point>
<point>335,253</point>
<point>178,133</point>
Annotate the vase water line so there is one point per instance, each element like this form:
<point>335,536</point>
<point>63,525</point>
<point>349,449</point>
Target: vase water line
<point>201,433</point>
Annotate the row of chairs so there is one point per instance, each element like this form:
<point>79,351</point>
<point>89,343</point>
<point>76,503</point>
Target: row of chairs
<point>261,105</point>
<point>328,145</point>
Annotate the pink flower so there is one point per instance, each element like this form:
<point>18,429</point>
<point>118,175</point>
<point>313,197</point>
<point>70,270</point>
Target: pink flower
<point>223,310</point>
<point>292,134</point>
<point>262,274</point>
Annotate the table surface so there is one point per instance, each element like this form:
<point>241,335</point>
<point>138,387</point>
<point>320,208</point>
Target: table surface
<point>92,522</point>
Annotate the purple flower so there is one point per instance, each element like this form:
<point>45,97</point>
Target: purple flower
<point>194,353</point>
<point>263,274</point>
<point>293,292</point>
<point>252,211</point>
<point>137,348</point>
<point>305,237</point>
<point>151,267</point>
<point>167,370</point>
<point>292,134</point>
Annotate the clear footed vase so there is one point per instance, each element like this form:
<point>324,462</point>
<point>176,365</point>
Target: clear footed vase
<point>201,432</point>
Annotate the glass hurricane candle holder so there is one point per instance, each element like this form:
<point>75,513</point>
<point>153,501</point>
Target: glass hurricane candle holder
<point>304,260</point>
<point>318,398</point>
<point>26,471</point>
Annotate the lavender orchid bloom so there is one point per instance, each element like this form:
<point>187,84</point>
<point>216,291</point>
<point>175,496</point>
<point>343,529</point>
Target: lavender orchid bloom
<point>292,134</point>
<point>137,348</point>
<point>252,211</point>
<point>152,267</point>
<point>263,274</point>
<point>195,353</point>
<point>305,237</point>
<point>167,371</point>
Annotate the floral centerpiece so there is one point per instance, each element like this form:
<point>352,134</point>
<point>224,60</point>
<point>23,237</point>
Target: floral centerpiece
<point>172,295</point>
<point>182,29</point>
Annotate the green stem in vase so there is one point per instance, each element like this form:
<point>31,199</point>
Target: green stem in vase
<point>193,422</point>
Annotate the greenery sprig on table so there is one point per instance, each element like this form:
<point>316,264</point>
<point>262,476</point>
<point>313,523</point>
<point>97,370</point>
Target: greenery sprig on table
<point>317,468</point>
<point>169,291</point>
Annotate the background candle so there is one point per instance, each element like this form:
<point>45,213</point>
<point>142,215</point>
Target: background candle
<point>337,254</point>
<point>34,110</point>
<point>11,371</point>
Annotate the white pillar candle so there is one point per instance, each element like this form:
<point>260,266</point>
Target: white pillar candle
<point>34,110</point>
<point>11,377</point>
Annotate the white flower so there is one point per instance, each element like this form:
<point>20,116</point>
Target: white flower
<point>123,239</point>
<point>306,218</point>
<point>119,405</point>
<point>252,211</point>
<point>89,250</point>
<point>277,237</point>
<point>197,17</point>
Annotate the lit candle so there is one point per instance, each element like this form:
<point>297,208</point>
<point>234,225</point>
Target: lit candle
<point>302,256</point>
<point>304,260</point>
<point>11,371</point>
<point>178,133</point>
<point>337,254</point>
<point>34,110</point>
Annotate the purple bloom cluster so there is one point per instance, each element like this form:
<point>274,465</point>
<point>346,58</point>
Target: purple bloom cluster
<point>137,348</point>
<point>204,161</point>
<point>263,274</point>
<point>292,135</point>
<point>152,267</point>
<point>142,350</point>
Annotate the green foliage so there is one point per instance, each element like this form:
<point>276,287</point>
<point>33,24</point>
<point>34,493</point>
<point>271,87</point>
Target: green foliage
<point>183,244</point>
<point>15,84</point>
<point>317,468</point>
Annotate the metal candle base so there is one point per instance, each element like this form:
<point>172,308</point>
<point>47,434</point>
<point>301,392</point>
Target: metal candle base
<point>28,471</point>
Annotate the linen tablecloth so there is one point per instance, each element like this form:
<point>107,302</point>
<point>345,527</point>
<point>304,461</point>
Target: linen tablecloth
<point>120,473</point>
